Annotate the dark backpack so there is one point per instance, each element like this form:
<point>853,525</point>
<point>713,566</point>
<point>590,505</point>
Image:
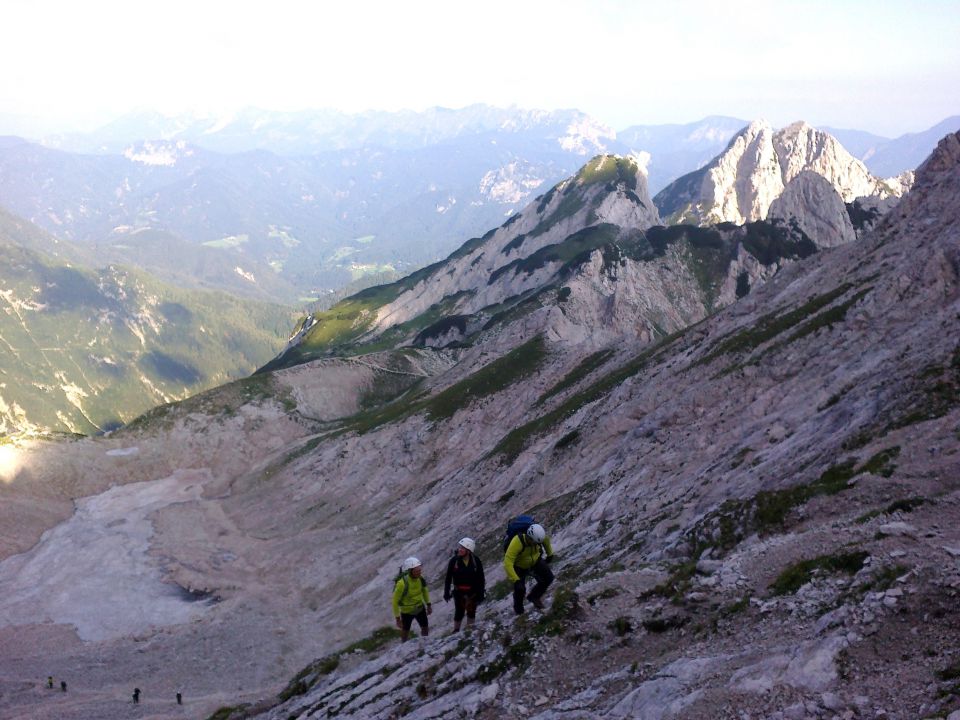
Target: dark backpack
<point>518,526</point>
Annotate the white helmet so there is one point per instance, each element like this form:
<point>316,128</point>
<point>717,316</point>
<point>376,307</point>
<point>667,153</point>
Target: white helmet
<point>468,543</point>
<point>536,533</point>
<point>410,563</point>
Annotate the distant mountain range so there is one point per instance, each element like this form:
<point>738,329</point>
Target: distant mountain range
<point>291,206</point>
<point>887,157</point>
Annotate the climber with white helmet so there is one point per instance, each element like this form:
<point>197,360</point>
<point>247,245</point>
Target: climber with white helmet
<point>411,599</point>
<point>465,576</point>
<point>527,550</point>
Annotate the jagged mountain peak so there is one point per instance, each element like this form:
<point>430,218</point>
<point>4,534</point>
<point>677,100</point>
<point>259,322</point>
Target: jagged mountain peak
<point>741,183</point>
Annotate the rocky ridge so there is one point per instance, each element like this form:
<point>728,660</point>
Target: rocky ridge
<point>587,259</point>
<point>740,184</point>
<point>748,514</point>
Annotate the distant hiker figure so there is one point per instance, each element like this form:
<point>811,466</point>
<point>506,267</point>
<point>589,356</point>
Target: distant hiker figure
<point>63,685</point>
<point>411,599</point>
<point>524,547</point>
<point>179,699</point>
<point>50,681</point>
<point>136,695</point>
<point>465,574</point>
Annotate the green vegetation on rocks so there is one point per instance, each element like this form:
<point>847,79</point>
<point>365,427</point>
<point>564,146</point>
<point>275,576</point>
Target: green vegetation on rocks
<point>800,573</point>
<point>513,443</point>
<point>572,251</point>
<point>770,325</point>
<point>488,380</point>
<point>609,168</point>
<point>584,367</point>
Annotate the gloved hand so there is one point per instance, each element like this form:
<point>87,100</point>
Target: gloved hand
<point>446,597</point>
<point>399,624</point>
<point>549,558</point>
<point>519,587</point>
<point>429,609</point>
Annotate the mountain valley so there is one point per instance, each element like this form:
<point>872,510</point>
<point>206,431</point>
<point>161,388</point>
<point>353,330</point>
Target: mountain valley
<point>744,438</point>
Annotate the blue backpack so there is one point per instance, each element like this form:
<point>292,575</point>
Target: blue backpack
<point>518,526</point>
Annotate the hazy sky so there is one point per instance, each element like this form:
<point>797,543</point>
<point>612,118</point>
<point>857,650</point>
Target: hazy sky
<point>887,67</point>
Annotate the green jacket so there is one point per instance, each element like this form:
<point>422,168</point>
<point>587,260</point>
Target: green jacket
<point>416,598</point>
<point>523,554</point>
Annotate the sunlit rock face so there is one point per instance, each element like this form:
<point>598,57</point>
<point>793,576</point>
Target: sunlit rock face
<point>810,201</point>
<point>741,183</point>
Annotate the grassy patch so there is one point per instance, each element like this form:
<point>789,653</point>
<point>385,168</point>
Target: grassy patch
<point>584,367</point>
<point>564,609</point>
<point>621,626</point>
<point>573,250</point>
<point>500,590</point>
<point>905,505</point>
<point>513,443</point>
<point>568,439</point>
<point>663,624</point>
<point>607,169</point>
<point>236,712</point>
<point>308,677</point>
<point>516,656</point>
<point>795,576</point>
<point>734,520</point>
<point>736,607</point>
<point>882,463</point>
<point>770,325</point>
<point>492,378</point>
<point>677,584</point>
<point>884,578</point>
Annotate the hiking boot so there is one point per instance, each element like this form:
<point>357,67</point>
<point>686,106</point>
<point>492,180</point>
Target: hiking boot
<point>536,602</point>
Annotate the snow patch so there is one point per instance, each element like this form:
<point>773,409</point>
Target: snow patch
<point>101,554</point>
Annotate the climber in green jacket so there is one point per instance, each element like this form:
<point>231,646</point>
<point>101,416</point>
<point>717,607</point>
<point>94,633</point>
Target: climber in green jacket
<point>528,554</point>
<point>411,599</point>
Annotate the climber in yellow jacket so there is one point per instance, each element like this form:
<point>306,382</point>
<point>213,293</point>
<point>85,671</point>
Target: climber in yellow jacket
<point>528,553</point>
<point>411,599</point>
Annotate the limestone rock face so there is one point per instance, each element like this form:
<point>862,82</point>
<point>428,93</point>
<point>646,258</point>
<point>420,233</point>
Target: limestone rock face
<point>742,182</point>
<point>816,207</point>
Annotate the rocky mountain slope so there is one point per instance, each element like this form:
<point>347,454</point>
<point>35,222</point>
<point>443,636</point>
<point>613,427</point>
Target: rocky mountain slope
<point>740,184</point>
<point>84,351</point>
<point>587,259</point>
<point>754,514</point>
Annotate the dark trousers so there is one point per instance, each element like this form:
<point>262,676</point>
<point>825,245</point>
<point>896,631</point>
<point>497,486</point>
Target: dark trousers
<point>420,617</point>
<point>544,575</point>
<point>464,604</point>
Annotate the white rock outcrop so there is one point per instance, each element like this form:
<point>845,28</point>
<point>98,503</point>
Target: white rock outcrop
<point>814,205</point>
<point>741,183</point>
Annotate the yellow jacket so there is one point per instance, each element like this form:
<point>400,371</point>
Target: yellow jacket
<point>522,553</point>
<point>410,595</point>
